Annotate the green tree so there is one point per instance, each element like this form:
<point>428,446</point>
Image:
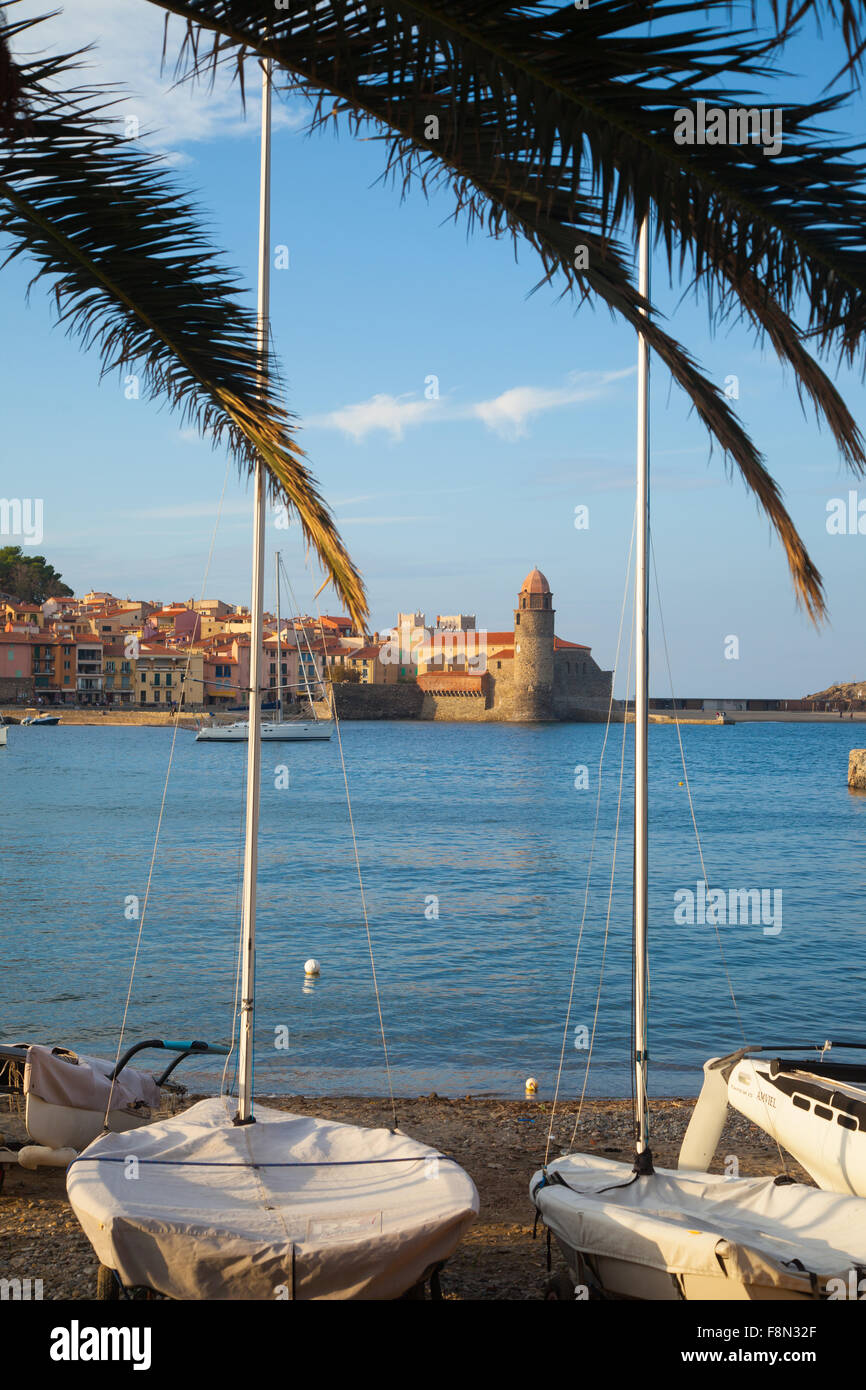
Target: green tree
<point>29,577</point>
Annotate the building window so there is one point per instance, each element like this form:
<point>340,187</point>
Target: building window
<point>143,678</point>
<point>517,620</point>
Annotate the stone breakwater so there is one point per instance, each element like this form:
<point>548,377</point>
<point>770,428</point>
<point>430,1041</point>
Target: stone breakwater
<point>857,769</point>
<point>133,718</point>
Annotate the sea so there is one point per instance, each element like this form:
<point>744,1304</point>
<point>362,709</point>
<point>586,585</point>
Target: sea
<point>487,854</point>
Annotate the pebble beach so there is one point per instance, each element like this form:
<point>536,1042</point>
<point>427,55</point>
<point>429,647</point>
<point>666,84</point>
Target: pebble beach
<point>500,1143</point>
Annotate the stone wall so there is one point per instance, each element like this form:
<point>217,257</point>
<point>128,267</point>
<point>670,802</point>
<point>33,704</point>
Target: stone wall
<point>401,701</point>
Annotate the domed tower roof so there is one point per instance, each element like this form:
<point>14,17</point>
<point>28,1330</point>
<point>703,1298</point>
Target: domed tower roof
<point>535,583</point>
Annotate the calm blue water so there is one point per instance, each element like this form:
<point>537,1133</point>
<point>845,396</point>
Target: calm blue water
<point>487,820</point>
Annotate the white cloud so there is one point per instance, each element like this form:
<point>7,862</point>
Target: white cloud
<point>127,39</point>
<point>389,413</point>
<point>507,414</point>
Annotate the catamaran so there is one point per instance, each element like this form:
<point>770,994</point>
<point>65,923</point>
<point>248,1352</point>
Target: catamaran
<point>813,1105</point>
<point>236,1201</point>
<point>653,1233</point>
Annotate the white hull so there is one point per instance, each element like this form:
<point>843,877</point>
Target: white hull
<point>287,1207</point>
<point>300,730</point>
<point>674,1235</point>
<point>819,1120</point>
<point>2,735</point>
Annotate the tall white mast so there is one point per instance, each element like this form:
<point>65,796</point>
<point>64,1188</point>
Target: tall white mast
<point>248,947</point>
<point>641,721</point>
<point>279,645</point>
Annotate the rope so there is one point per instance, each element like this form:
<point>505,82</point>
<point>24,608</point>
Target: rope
<point>565,1030</point>
<point>256,1163</point>
<point>175,728</point>
<point>695,826</point>
<point>610,888</point>
<point>336,718</point>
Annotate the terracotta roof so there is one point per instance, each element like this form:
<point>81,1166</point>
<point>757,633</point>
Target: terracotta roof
<point>559,643</point>
<point>535,583</point>
<point>361,653</point>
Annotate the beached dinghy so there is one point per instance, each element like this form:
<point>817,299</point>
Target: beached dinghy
<point>231,1204</point>
<point>289,1206</point>
<point>646,1233</point>
<point>814,1107</point>
<point>676,1235</point>
<point>70,1098</point>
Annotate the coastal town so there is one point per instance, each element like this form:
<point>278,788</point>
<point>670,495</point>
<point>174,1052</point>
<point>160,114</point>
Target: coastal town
<point>123,654</point>
<point>101,653</point>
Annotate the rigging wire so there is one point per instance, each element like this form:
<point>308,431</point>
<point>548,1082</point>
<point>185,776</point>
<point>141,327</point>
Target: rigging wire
<point>336,719</point>
<point>567,1024</point>
<point>610,891</point>
<point>697,832</point>
<point>159,821</point>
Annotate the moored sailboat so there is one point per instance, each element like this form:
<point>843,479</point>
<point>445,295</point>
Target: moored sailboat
<point>236,1201</point>
<point>279,730</point>
<point>652,1233</point>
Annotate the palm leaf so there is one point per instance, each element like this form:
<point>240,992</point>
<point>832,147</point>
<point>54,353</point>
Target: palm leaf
<point>135,277</point>
<point>556,125</point>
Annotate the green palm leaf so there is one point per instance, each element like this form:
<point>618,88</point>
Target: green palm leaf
<point>556,125</point>
<point>134,276</point>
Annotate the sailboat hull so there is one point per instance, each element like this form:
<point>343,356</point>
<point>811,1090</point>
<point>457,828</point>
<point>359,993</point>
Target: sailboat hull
<point>820,1121</point>
<point>287,1207</point>
<point>673,1235</point>
<point>292,731</point>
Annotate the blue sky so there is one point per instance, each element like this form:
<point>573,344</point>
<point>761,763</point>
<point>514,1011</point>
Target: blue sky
<point>445,504</point>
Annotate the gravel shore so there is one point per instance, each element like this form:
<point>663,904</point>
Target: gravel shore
<point>499,1142</point>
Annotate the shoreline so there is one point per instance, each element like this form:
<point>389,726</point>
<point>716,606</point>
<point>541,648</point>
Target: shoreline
<point>500,1143</point>
<point>135,719</point>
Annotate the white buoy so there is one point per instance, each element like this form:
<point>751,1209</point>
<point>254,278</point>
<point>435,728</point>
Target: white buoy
<point>531,1086</point>
<point>312,967</point>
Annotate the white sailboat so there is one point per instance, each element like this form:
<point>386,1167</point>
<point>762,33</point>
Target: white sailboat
<point>279,730</point>
<point>814,1106</point>
<point>2,735</point>
<point>232,1202</point>
<point>651,1233</point>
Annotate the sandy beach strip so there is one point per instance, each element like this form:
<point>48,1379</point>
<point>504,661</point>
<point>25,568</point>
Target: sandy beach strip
<point>499,1142</point>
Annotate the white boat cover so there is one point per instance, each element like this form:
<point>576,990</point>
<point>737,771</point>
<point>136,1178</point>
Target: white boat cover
<point>70,1078</point>
<point>703,1223</point>
<point>288,1207</point>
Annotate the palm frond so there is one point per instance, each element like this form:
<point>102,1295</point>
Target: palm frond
<point>134,276</point>
<point>556,125</point>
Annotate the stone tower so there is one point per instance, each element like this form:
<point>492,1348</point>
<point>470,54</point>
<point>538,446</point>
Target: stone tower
<point>533,650</point>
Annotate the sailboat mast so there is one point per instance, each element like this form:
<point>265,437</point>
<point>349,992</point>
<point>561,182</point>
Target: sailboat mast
<point>254,751</point>
<point>641,719</point>
<point>279,645</point>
